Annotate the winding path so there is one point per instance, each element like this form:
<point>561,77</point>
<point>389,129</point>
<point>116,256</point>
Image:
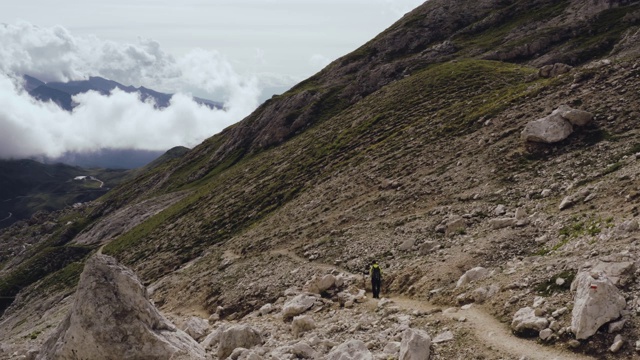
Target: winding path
<point>487,329</point>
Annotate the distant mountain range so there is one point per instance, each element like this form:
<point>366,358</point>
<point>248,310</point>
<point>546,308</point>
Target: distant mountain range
<point>61,93</point>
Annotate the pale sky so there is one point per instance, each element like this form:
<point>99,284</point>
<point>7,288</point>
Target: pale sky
<point>239,52</point>
<point>285,37</point>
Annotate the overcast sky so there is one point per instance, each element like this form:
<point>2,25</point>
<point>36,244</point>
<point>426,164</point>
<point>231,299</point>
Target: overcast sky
<point>235,51</point>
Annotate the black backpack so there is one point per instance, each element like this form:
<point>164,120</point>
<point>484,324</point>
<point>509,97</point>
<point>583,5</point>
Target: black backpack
<point>375,274</point>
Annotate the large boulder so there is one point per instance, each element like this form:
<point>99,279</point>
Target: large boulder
<point>597,301</point>
<point>415,345</point>
<point>526,322</point>
<point>350,350</point>
<point>297,305</point>
<point>112,318</point>
<point>550,129</point>
<point>238,336</point>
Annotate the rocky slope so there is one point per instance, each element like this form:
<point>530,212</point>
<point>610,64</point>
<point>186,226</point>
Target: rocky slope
<point>410,151</point>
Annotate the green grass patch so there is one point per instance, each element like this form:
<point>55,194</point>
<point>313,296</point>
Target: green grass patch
<point>549,287</point>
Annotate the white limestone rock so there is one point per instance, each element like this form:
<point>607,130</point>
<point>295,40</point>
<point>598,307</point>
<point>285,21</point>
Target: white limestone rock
<point>196,327</point>
<point>456,225</point>
<point>574,116</point>
<point>302,324</point>
<point>238,336</point>
<point>618,272</point>
<point>545,334</point>
<point>298,305</point>
<point>597,301</point>
<point>392,348</point>
<point>350,350</point>
<point>475,274</point>
<point>111,305</point>
<point>415,345</point>
<point>550,129</point>
<point>266,309</point>
<point>525,320</point>
<point>617,344</point>
<point>318,285</point>
<point>501,223</point>
<point>443,337</point>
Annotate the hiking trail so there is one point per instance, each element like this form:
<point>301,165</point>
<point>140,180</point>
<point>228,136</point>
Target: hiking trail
<point>486,328</point>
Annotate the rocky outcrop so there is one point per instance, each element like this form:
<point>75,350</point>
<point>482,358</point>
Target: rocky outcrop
<point>597,301</point>
<point>112,318</point>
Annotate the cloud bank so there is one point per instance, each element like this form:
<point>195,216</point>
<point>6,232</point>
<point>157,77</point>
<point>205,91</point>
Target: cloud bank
<point>120,120</point>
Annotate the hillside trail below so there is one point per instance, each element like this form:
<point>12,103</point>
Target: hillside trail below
<point>486,328</point>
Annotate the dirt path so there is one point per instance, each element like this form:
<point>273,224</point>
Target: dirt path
<point>487,329</point>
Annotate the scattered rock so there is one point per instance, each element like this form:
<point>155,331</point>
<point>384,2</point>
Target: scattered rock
<point>617,344</point>
<point>196,327</point>
<point>443,337</point>
<point>266,309</point>
<point>110,305</point>
<point>350,350</point>
<point>551,71</point>
<point>616,326</point>
<point>415,345</point>
<point>297,306</point>
<point>318,285</point>
<point>546,334</point>
<point>475,274</point>
<point>237,336</point>
<point>574,116</point>
<point>455,226</point>
<point>597,301</point>
<point>502,223</point>
<point>526,321</point>
<point>301,324</point>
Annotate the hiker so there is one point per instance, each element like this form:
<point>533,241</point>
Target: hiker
<point>376,279</point>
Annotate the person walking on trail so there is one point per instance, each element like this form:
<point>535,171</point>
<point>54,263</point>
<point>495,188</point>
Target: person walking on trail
<point>376,279</point>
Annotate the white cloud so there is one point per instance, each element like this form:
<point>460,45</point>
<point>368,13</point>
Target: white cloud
<point>32,128</point>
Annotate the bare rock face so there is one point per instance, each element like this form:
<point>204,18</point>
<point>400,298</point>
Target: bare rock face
<point>112,318</point>
<point>597,302</point>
